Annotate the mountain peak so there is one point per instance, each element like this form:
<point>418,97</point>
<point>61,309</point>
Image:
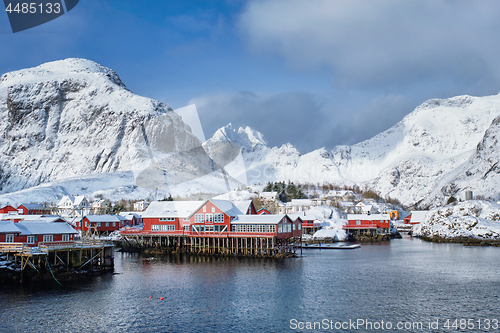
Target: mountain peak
<point>61,69</point>
<point>247,138</point>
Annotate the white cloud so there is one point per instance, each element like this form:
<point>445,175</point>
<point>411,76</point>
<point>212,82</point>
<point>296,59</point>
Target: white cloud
<point>385,42</point>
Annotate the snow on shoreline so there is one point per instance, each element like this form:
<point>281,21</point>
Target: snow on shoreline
<point>471,219</point>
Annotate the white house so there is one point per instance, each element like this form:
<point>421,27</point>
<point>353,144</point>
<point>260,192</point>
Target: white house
<point>74,206</point>
<point>140,206</point>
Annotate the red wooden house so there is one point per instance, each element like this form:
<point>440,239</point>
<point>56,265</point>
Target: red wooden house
<point>213,216</point>
<point>373,224</point>
<point>102,224</point>
<point>33,209</point>
<point>264,211</point>
<point>7,209</point>
<point>278,225</point>
<point>407,219</point>
<point>34,232</point>
<point>168,216</point>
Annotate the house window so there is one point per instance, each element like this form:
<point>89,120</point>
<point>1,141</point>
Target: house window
<point>358,222</point>
<point>219,218</point>
<point>48,238</point>
<point>209,228</point>
<point>107,224</point>
<point>280,228</point>
<point>162,227</point>
<point>186,227</point>
<point>213,209</point>
<point>251,228</point>
<point>209,218</point>
<point>261,228</point>
<point>65,238</point>
<point>204,209</point>
<point>9,238</point>
<point>293,226</point>
<point>271,228</point>
<point>114,224</point>
<point>167,219</point>
<point>31,239</point>
<point>98,224</point>
<point>199,218</point>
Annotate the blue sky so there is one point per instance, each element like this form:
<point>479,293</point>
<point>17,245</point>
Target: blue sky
<point>313,73</point>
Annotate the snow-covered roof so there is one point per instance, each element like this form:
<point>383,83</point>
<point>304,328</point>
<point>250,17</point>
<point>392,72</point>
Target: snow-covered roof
<point>228,207</point>
<point>41,218</point>
<point>36,228</point>
<point>134,214</point>
<point>418,216</point>
<point>33,206</point>
<point>103,218</point>
<point>258,219</point>
<point>75,201</point>
<point>8,227</point>
<point>268,194</point>
<point>171,208</point>
<point>351,217</point>
<point>243,205</point>
<point>300,202</point>
<point>302,215</point>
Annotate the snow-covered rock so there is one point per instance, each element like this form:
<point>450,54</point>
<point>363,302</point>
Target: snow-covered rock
<point>471,219</point>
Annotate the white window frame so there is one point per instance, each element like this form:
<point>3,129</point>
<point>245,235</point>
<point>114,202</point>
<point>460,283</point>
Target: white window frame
<point>98,224</point>
<point>199,218</point>
<point>30,240</point>
<point>48,238</point>
<point>9,238</point>
<point>358,222</point>
<point>219,218</point>
<point>107,224</point>
<point>65,238</point>
<point>209,218</point>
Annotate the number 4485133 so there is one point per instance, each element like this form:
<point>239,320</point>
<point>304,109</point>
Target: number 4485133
<point>471,324</point>
<point>33,8</point>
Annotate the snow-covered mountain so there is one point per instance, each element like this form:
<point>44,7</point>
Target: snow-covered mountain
<point>263,163</point>
<point>442,148</point>
<point>72,126</point>
<point>75,117</point>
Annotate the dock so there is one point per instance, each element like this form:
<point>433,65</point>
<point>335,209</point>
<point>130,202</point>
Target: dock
<point>25,262</point>
<point>213,243</point>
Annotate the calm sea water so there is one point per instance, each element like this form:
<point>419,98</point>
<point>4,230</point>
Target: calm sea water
<point>404,281</point>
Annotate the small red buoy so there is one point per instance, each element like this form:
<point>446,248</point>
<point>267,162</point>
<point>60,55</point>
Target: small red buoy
<point>150,296</point>
<point>161,298</point>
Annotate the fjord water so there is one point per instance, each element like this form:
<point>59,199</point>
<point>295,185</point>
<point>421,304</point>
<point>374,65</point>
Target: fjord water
<point>406,280</point>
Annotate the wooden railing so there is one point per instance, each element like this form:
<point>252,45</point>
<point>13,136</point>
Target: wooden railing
<point>45,247</point>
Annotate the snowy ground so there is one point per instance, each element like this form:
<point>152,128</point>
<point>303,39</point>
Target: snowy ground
<point>471,219</point>
<point>331,222</point>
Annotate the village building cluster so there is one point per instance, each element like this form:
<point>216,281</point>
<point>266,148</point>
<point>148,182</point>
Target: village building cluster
<point>76,215</point>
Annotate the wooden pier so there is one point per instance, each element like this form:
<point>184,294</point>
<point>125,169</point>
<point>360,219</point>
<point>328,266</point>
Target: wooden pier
<point>224,243</point>
<point>57,258</point>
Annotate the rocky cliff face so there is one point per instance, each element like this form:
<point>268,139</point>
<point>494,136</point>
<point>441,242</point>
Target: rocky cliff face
<point>75,117</point>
